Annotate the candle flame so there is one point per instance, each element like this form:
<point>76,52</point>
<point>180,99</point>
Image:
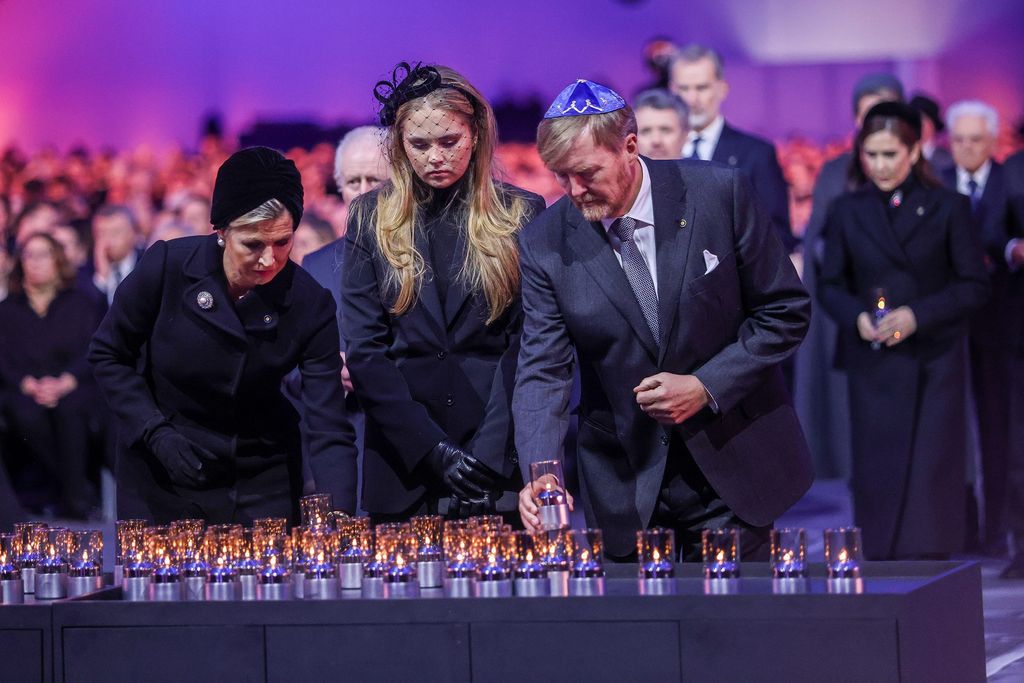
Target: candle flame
<point>399,561</point>
<point>529,556</point>
<point>720,556</point>
<point>320,557</point>
<point>881,303</point>
<point>585,555</point>
<point>656,555</point>
<point>787,556</point>
<point>492,558</point>
<point>273,561</point>
<point>842,555</point>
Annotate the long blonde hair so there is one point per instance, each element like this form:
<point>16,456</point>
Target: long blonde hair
<point>492,256</point>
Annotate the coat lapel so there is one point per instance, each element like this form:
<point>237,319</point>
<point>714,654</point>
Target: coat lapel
<point>725,151</point>
<point>457,294</point>
<point>207,297</point>
<point>918,204</point>
<point>673,226</point>
<point>591,245</point>
<point>875,226</point>
<point>261,310</point>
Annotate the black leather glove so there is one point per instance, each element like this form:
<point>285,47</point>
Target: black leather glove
<point>461,508</point>
<point>462,474</point>
<point>184,461</point>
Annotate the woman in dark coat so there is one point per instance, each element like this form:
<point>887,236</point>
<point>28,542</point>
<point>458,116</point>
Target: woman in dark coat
<point>431,307</point>
<point>192,353</point>
<point>905,238</point>
<point>47,394</point>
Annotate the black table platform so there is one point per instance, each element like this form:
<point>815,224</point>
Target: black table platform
<point>917,621</point>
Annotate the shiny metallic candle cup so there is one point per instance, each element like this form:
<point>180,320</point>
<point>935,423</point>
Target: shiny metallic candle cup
<point>401,582</point>
<point>460,579</point>
<point>790,586</point>
<point>248,569</point>
<point>373,578</point>
<point>12,589</point>
<point>51,579</point>
<point>321,582</point>
<point>193,579</point>
<point>135,581</point>
<point>166,584</point>
<point>274,588</point>
<point>493,581</point>
<point>222,585</point>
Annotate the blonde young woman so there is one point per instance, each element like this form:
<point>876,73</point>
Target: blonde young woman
<point>430,305</point>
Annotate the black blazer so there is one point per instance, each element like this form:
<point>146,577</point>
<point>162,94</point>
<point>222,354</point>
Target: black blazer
<point>215,375</point>
<point>730,326</point>
<point>428,375</point>
<point>756,157</point>
<point>325,265</point>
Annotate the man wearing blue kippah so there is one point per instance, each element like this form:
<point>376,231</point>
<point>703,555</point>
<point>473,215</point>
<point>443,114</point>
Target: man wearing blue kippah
<point>665,282</point>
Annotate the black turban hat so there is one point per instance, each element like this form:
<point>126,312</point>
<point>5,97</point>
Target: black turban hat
<point>896,110</point>
<point>251,177</point>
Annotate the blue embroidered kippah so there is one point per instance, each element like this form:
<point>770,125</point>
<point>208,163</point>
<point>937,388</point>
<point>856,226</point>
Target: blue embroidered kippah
<point>583,98</point>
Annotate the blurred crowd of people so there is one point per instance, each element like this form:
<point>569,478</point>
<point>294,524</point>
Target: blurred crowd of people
<point>74,224</point>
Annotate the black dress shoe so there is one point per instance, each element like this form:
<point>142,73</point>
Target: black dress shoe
<point>1014,570</point>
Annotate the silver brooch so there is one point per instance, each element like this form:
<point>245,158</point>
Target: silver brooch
<point>205,300</point>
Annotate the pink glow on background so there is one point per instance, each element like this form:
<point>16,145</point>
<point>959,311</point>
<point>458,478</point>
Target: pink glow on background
<point>122,73</point>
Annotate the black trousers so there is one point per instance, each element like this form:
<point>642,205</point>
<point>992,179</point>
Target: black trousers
<point>688,504</point>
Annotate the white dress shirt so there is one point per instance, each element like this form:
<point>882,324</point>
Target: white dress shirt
<point>119,270</point>
<point>642,212</point>
<point>963,178</point>
<point>708,139</point>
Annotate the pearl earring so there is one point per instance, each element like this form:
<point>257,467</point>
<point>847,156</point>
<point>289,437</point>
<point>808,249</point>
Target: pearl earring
<point>220,241</point>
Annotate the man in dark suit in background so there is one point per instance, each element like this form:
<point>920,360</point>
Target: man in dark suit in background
<point>973,128</point>
<point>359,166</point>
<point>666,283</point>
<point>697,77</point>
<point>932,126</point>
<point>820,391</point>
<point>115,236</point>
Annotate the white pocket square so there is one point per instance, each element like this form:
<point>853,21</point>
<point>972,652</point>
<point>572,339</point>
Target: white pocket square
<point>710,261</point>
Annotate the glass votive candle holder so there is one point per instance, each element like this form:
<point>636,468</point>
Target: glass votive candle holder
<point>273,582</point>
<point>373,573</point>
<point>85,563</point>
<point>136,575</point>
<point>429,532</point>
<point>52,568</point>
<point>356,551</point>
<point>166,584</point>
<point>531,576</point>
<point>273,526</point>
<point>586,575</point>
<point>33,542</point>
<point>128,540</point>
<point>720,552</point>
<point>400,578</point>
<point>460,558</point>
<point>557,559</point>
<point>548,484</point>
<point>494,566</point>
<point>656,552</point>
<point>788,556</point>
<point>12,588</point>
<point>321,579</point>
<point>316,509</point>
<point>843,552</point>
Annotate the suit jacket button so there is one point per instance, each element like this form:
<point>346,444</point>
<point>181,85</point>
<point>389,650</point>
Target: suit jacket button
<point>441,355</point>
<point>267,319</point>
<point>450,400</point>
<point>664,440</point>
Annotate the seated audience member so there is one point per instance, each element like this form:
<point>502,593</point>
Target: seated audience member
<point>46,386</point>
<point>661,119</point>
<point>115,251</point>
<point>931,128</point>
<point>312,234</point>
<point>194,213</point>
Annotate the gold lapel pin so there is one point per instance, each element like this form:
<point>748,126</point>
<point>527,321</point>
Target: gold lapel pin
<point>682,222</point>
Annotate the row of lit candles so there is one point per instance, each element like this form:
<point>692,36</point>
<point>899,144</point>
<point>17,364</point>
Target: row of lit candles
<point>49,561</point>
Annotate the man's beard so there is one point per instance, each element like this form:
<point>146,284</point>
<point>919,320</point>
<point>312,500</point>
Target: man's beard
<point>595,211</point>
<point>698,120</point>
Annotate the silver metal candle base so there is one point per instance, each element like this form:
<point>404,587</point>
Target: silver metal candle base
<point>401,589</point>
<point>494,589</point>
<point>28,577</point>
<point>322,589</point>
<point>790,586</point>
<point>461,587</point>
<point>533,588</point>
<point>118,574</point>
<point>12,591</point>
<point>83,585</point>
<point>194,589</point>
<point>586,586</point>
<point>430,574</point>
<point>554,517</point>
<point>222,591</point>
<point>275,591</point>
<point>845,586</point>
<point>247,586</point>
<point>373,587</point>
<point>165,592</point>
<point>299,585</point>
<point>51,586</point>
<point>660,586</point>
<point>135,588</point>
<point>559,581</point>
<point>350,575</point>
<point>721,586</point>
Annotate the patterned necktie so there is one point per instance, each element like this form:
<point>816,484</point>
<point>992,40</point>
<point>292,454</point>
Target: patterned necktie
<point>972,186</point>
<point>637,272</point>
<point>695,154</point>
